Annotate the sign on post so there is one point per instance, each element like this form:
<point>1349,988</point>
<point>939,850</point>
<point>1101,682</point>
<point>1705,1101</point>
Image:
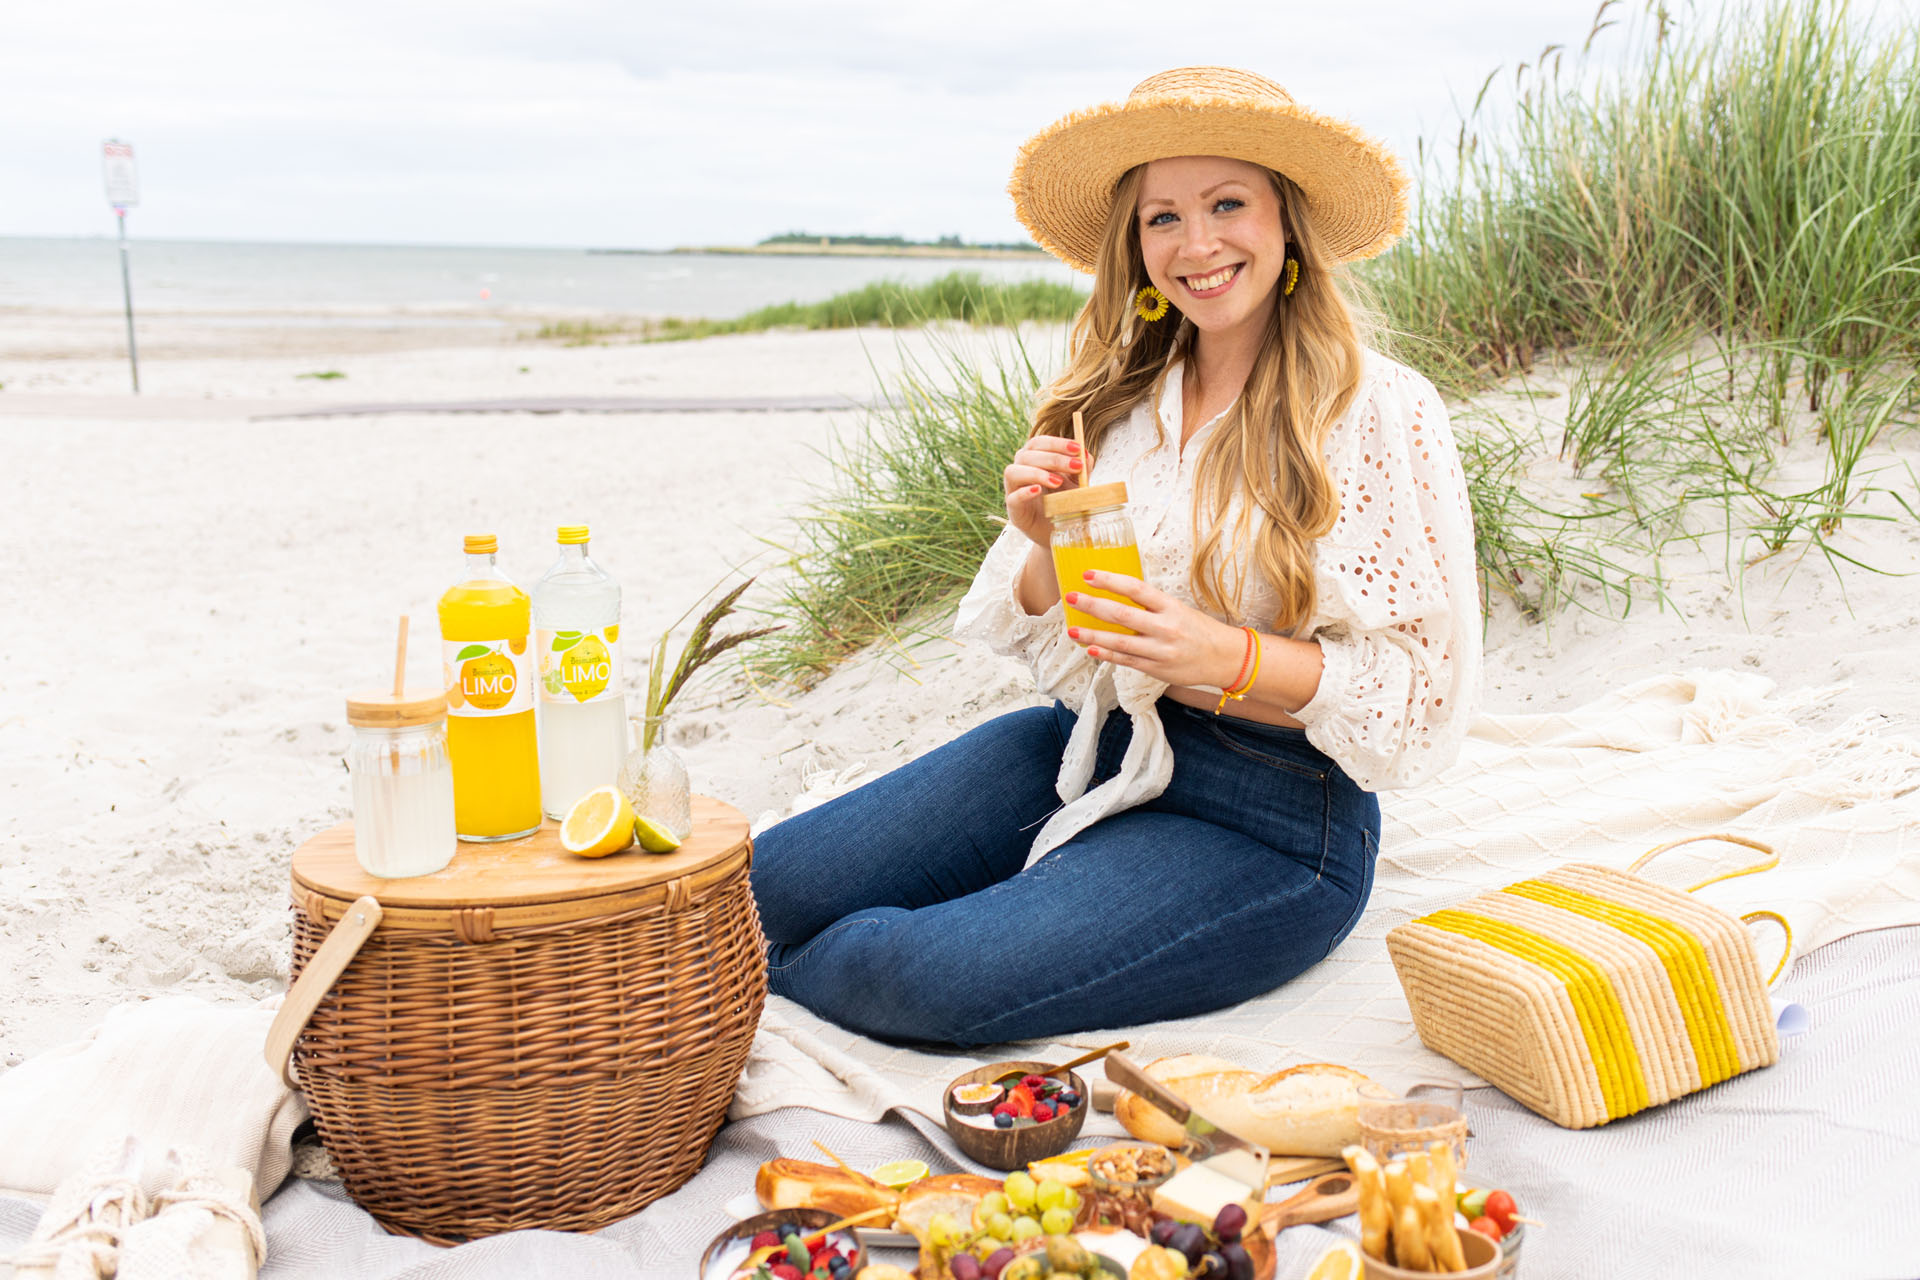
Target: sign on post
<point>123,193</point>
<point>122,178</point>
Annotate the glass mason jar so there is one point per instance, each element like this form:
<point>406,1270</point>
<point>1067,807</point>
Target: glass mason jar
<point>654,779</point>
<point>402,783</point>
<point>1091,531</point>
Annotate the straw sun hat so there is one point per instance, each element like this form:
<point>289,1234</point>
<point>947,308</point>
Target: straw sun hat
<point>1063,181</point>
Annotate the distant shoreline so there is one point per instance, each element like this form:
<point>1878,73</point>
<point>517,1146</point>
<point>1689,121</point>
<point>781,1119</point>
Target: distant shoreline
<point>851,251</point>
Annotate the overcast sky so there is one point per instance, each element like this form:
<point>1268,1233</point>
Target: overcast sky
<point>650,124</point>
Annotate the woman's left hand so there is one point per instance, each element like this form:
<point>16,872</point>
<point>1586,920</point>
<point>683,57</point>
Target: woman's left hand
<point>1175,642</point>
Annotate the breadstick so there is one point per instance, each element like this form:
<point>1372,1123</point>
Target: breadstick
<point>1400,1201</point>
<point>1443,1244</point>
<point>1420,1168</point>
<point>1376,1218</point>
<point>1410,1241</point>
<point>1445,1172</point>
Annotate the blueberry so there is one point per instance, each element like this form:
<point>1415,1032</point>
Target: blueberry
<point>1071,1098</point>
<point>1003,1121</point>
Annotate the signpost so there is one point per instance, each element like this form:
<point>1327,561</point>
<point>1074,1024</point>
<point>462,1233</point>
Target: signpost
<point>123,193</point>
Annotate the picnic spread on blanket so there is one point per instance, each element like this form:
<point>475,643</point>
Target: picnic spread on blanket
<point>543,1023</point>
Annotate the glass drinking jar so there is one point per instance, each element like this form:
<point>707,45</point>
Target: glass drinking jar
<point>1091,531</point>
<point>402,783</point>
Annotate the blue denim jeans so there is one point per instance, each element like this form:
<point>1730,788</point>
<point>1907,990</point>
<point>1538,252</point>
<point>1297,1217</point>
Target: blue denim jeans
<point>901,910</point>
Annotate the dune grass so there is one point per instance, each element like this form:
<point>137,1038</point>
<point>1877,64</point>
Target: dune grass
<point>1719,248</point>
<point>889,304</point>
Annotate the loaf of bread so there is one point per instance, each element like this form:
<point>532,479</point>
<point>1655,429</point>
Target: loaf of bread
<point>798,1184</point>
<point>1311,1110</point>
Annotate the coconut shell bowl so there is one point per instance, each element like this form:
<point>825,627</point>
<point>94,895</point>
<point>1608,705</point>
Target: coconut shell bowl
<point>971,1120</point>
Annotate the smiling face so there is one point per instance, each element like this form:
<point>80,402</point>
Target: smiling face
<point>1211,238</point>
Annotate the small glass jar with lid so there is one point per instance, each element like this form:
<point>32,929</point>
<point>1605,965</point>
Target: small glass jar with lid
<point>402,782</point>
<point>1091,531</point>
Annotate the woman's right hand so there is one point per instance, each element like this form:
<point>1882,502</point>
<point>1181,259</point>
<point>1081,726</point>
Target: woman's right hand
<point>1043,465</point>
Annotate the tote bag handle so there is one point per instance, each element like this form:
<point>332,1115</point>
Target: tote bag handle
<point>1771,861</point>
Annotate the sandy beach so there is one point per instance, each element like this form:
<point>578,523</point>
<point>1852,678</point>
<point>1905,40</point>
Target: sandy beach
<point>195,587</point>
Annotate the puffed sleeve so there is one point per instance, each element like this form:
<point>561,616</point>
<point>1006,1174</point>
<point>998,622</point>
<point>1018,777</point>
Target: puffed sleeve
<point>991,614</point>
<point>1398,613</point>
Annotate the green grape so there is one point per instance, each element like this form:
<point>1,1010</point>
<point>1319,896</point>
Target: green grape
<point>1020,1191</point>
<point>1050,1194</point>
<point>994,1202</point>
<point>1056,1222</point>
<point>942,1231</point>
<point>1072,1201</point>
<point>1000,1226</point>
<point>1025,1228</point>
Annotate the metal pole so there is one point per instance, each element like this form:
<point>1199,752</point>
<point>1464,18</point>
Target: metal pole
<point>126,288</point>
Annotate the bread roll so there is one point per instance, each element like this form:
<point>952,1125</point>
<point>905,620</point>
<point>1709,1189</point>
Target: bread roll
<point>1311,1110</point>
<point>798,1184</point>
<point>950,1193</point>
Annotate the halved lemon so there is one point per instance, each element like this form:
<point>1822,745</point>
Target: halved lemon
<point>1341,1262</point>
<point>653,837</point>
<point>600,823</point>
<point>900,1174</point>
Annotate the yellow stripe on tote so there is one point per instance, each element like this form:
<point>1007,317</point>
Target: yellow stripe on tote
<point>1603,1024</point>
<point>1701,1004</point>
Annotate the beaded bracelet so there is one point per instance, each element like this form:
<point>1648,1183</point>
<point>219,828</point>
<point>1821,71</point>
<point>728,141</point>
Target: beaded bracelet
<point>1238,690</point>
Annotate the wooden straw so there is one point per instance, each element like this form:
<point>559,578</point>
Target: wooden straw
<point>850,1170</point>
<point>1080,438</point>
<point>400,660</point>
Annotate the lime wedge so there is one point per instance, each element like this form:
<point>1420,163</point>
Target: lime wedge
<point>653,837</point>
<point>900,1173</point>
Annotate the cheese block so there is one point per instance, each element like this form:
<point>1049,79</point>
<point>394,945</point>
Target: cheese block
<point>1198,1193</point>
<point>1311,1110</point>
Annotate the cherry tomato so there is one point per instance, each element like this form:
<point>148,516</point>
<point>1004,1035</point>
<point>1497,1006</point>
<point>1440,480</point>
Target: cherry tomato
<point>1487,1227</point>
<point>1500,1208</point>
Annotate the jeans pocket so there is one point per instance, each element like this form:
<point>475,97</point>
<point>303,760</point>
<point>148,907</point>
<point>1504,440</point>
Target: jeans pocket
<point>1272,745</point>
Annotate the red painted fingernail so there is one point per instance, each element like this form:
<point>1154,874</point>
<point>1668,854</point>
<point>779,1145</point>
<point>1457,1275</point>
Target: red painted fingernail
<point>1053,479</point>
<point>1072,448</point>
<point>1073,464</point>
<point>1073,633</point>
<point>1072,598</point>
<point>1088,575</point>
<point>1036,488</point>
<point>1092,652</point>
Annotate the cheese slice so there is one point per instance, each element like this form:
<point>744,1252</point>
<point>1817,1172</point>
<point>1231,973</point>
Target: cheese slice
<point>1198,1193</point>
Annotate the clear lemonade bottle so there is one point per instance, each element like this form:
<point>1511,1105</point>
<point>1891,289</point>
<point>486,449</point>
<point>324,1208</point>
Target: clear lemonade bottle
<point>583,703</point>
<point>484,621</point>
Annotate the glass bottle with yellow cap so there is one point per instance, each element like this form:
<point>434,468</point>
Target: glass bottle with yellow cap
<point>582,695</point>
<point>1091,531</point>
<point>484,620</point>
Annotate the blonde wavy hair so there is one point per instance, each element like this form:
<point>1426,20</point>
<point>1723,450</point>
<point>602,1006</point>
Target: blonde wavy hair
<point>1270,446</point>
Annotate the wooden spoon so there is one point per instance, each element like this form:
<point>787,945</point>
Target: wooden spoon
<point>1331,1195</point>
<point>1085,1058</point>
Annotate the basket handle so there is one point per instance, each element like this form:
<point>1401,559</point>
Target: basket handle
<point>1786,952</point>
<point>1772,858</point>
<point>328,963</point>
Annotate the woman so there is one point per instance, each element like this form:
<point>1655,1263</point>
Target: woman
<point>1306,633</point>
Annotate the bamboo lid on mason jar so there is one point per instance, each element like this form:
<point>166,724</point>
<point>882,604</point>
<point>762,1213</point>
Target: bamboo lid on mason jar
<point>1078,501</point>
<point>384,709</point>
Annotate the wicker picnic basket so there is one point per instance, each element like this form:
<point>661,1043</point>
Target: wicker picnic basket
<point>524,1039</point>
<point>1588,993</point>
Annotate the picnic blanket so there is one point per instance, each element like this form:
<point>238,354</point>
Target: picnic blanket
<point>1670,756</point>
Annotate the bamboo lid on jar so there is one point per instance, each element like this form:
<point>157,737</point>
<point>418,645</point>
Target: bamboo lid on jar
<point>1079,501</point>
<point>384,709</point>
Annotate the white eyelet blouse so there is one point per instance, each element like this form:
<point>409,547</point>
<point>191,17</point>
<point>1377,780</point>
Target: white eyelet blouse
<point>1397,614</point>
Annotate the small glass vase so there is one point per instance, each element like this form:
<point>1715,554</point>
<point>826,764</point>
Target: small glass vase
<point>654,779</point>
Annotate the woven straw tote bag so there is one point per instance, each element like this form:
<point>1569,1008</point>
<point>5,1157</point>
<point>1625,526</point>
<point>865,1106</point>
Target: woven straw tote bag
<point>1588,993</point>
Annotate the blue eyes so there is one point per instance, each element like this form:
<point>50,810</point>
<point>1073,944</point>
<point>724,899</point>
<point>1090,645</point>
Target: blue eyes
<point>1225,204</point>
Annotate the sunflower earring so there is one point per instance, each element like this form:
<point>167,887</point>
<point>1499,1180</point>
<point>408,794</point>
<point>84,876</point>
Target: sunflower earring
<point>1291,272</point>
<point>1150,304</point>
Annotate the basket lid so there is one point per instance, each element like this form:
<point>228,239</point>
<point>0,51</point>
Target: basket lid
<point>531,872</point>
<point>384,709</point>
<point>1075,501</point>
